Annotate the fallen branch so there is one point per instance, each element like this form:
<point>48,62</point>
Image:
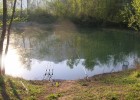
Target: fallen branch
<point>24,86</point>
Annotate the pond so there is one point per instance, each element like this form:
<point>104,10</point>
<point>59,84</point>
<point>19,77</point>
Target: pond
<point>69,52</point>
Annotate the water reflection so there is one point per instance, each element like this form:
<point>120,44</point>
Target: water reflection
<point>12,62</point>
<point>71,53</point>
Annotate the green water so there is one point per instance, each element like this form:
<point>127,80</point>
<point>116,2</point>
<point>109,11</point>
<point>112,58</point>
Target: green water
<point>85,47</point>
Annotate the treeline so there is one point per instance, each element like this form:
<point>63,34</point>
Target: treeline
<point>82,12</point>
<point>96,12</point>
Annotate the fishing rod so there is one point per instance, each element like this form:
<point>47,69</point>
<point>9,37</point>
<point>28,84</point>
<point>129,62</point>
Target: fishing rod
<point>49,74</point>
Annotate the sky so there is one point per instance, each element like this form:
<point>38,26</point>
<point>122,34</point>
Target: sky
<point>18,3</point>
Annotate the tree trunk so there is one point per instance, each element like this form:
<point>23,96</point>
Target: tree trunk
<point>21,10</point>
<point>9,32</point>
<point>3,32</point>
<point>9,27</point>
<point>28,2</point>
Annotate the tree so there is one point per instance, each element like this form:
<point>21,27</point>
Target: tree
<point>28,2</point>
<point>21,9</point>
<point>4,29</point>
<point>9,27</point>
<point>4,26</point>
<point>131,14</point>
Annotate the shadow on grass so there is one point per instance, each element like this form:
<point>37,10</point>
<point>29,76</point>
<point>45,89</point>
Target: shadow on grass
<point>14,89</point>
<point>3,92</point>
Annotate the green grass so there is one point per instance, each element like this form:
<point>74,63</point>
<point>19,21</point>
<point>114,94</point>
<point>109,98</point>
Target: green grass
<point>53,96</point>
<point>136,74</point>
<point>114,86</point>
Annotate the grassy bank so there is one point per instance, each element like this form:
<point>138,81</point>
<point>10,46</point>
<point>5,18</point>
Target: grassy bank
<point>114,86</point>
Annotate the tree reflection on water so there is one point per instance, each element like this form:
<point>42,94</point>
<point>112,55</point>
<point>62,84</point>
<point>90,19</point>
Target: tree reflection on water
<point>95,47</point>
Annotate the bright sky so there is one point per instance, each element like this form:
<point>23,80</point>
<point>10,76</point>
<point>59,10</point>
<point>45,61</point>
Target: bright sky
<point>18,3</point>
